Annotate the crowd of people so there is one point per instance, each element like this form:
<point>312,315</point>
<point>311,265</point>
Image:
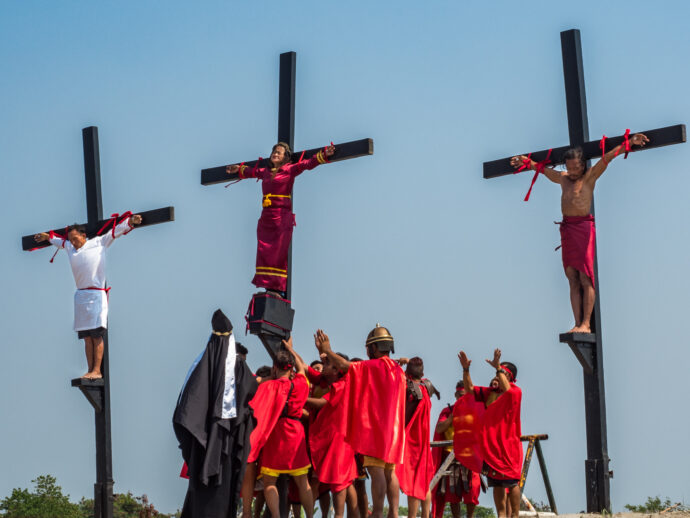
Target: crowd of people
<point>337,422</point>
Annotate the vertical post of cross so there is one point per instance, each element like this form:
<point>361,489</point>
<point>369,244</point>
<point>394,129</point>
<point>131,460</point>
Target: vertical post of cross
<point>286,126</point>
<point>597,463</point>
<point>103,488</point>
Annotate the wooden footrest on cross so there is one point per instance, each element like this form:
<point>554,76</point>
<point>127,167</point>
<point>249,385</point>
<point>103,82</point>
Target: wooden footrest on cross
<point>92,390</point>
<point>583,346</point>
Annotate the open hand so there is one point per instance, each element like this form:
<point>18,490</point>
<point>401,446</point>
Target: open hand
<point>232,169</point>
<point>288,344</point>
<point>639,139</point>
<point>330,150</point>
<point>42,236</point>
<point>323,344</point>
<point>496,362</point>
<point>464,360</point>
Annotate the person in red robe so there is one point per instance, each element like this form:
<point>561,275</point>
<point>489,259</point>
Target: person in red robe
<point>333,458</point>
<point>274,231</point>
<point>417,469</point>
<point>278,441</point>
<point>497,440</point>
<point>577,228</point>
<point>463,484</point>
<point>374,408</point>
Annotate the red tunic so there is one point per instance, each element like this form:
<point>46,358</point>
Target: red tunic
<point>279,434</point>
<point>333,458</point>
<point>417,469</point>
<point>274,231</point>
<point>490,435</point>
<point>578,239</point>
<point>374,402</point>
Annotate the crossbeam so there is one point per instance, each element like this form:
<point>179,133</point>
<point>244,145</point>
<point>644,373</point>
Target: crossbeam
<point>344,151</point>
<point>659,137</point>
<point>149,217</point>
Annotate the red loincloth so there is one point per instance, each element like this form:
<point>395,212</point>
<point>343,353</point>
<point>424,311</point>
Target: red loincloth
<point>280,439</point>
<point>333,458</point>
<point>374,405</point>
<point>417,469</point>
<point>578,239</point>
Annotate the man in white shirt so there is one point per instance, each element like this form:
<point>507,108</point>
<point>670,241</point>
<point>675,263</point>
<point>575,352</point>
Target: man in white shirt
<point>87,259</point>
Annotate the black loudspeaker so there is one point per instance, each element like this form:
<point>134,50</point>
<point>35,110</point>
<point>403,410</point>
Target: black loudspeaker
<point>270,317</point>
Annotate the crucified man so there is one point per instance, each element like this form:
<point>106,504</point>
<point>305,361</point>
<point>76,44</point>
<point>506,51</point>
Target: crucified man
<point>577,228</point>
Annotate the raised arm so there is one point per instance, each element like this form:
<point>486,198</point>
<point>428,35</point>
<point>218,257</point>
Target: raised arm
<point>122,228</point>
<point>319,158</point>
<point>323,344</point>
<point>466,379</point>
<point>549,172</point>
<point>638,139</point>
<point>50,237</point>
<point>300,366</point>
<point>500,373</point>
<point>243,171</point>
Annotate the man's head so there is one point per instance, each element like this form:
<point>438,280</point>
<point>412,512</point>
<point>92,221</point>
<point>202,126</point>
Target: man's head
<point>76,234</point>
<point>575,163</point>
<point>330,372</point>
<point>379,342</point>
<point>263,372</point>
<point>459,389</point>
<point>283,363</point>
<point>415,368</point>
<point>512,371</point>
<point>317,365</point>
<point>280,154</point>
<point>241,351</point>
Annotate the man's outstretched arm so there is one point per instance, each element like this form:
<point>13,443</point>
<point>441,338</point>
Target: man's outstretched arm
<point>500,373</point>
<point>466,379</point>
<point>323,344</point>
<point>638,139</point>
<point>300,366</point>
<point>549,172</point>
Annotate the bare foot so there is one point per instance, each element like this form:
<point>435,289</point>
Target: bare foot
<point>583,328</point>
<point>93,375</point>
<point>85,375</point>
<point>574,330</point>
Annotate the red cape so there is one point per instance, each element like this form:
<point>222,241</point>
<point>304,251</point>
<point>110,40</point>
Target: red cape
<point>417,469</point>
<point>333,458</point>
<point>374,403</point>
<point>268,403</point>
<point>489,435</point>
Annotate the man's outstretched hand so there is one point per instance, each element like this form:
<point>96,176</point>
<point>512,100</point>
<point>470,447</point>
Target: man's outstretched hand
<point>323,344</point>
<point>496,362</point>
<point>639,139</point>
<point>136,219</point>
<point>464,360</point>
<point>232,169</point>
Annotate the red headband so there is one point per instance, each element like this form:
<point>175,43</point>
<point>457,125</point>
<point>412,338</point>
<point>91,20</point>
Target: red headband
<point>512,375</point>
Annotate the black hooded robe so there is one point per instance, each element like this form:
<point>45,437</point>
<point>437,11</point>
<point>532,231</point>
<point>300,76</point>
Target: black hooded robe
<point>215,449</point>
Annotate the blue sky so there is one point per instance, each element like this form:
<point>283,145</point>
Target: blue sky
<point>412,237</point>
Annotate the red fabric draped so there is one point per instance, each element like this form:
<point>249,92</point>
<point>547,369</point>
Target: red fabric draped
<point>417,469</point>
<point>333,458</point>
<point>467,426</point>
<point>578,239</point>
<point>500,443</point>
<point>267,403</point>
<point>374,403</point>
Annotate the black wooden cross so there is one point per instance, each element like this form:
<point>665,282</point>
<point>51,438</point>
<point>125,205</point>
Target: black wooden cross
<point>97,391</point>
<point>588,346</point>
<point>286,133</point>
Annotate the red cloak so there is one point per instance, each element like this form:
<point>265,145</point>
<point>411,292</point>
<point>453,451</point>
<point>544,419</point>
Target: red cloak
<point>578,239</point>
<point>417,469</point>
<point>467,425</point>
<point>500,442</point>
<point>374,405</point>
<point>277,437</point>
<point>333,458</point>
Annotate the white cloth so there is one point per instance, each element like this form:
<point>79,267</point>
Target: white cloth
<point>229,402</point>
<point>88,268</point>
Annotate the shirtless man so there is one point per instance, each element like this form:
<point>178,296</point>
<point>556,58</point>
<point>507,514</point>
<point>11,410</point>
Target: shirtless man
<point>577,228</point>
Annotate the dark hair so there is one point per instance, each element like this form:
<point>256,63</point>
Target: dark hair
<point>576,153</point>
<point>512,368</point>
<point>241,349</point>
<point>283,361</point>
<point>460,384</point>
<point>356,359</point>
<point>343,356</point>
<point>78,227</point>
<point>263,372</point>
<point>316,362</point>
<point>415,368</point>
<point>288,152</point>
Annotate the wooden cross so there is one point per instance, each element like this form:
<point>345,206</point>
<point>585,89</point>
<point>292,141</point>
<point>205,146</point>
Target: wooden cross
<point>97,391</point>
<point>588,346</point>
<point>286,133</point>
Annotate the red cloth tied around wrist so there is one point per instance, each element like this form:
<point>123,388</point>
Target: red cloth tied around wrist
<point>525,164</point>
<point>625,145</point>
<point>539,168</point>
<point>602,146</point>
<point>115,219</point>
<point>53,235</point>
